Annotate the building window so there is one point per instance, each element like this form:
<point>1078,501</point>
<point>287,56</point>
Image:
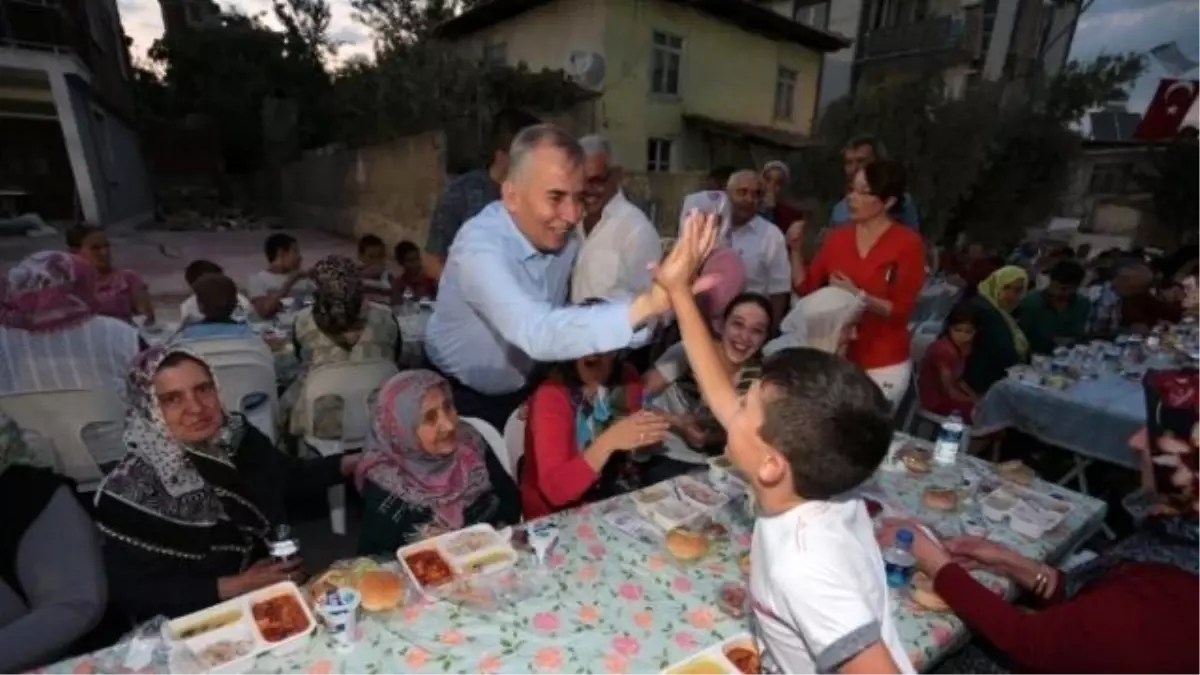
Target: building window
<point>1115,178</point>
<point>495,54</point>
<point>658,154</point>
<point>785,92</point>
<point>815,14</point>
<point>665,60</point>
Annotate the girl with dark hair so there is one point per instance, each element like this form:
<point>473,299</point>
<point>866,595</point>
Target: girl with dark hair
<point>940,384</point>
<point>581,423</point>
<point>672,389</point>
<point>879,260</point>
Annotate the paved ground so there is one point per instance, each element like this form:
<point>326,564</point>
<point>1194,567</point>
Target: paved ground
<point>161,256</point>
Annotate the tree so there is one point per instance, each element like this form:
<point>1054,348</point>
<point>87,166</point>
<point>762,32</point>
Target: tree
<point>1175,185</point>
<point>405,22</point>
<point>306,25</point>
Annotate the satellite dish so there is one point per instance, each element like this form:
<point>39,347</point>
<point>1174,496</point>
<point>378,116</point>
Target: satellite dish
<point>586,69</point>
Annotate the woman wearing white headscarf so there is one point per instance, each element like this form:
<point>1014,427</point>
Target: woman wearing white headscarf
<point>825,319</point>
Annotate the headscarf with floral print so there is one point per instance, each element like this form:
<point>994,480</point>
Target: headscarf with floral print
<point>48,291</point>
<point>394,460</point>
<point>338,300</point>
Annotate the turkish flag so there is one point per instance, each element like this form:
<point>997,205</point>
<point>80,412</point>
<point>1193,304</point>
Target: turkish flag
<point>1170,105</point>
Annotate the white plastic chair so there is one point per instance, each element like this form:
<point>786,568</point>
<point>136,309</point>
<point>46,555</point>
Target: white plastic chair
<point>243,374</point>
<point>493,439</point>
<point>60,417</point>
<point>514,441</point>
<point>918,414</point>
<point>353,382</point>
<point>213,347</point>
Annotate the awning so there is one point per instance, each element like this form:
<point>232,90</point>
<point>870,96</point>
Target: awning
<point>750,133</point>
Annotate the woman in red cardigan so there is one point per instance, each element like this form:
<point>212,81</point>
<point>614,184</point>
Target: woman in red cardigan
<point>580,424</point>
<point>878,259</point>
<point>1133,609</point>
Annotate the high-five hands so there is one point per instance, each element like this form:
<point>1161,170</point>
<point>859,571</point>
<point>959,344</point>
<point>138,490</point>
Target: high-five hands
<point>677,273</point>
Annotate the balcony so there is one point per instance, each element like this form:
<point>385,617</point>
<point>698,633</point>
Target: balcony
<point>41,25</point>
<point>953,36</point>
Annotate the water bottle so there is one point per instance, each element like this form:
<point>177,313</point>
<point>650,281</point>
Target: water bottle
<point>949,438</point>
<point>408,305</point>
<point>898,560</point>
<point>284,547</point>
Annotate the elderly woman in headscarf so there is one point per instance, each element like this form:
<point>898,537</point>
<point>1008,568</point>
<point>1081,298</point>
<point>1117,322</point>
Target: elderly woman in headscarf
<point>425,471</point>
<point>52,588</point>
<point>826,319</point>
<point>1132,609</point>
<point>187,513</point>
<point>51,333</point>
<point>340,326</point>
<point>999,341</point>
<point>774,206</point>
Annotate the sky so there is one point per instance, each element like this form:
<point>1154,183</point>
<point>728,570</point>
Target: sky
<point>1107,26</point>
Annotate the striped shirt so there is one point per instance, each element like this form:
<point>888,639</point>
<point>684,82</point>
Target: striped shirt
<point>95,354</point>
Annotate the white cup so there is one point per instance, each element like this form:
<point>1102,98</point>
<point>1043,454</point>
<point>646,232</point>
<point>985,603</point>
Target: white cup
<point>341,617</point>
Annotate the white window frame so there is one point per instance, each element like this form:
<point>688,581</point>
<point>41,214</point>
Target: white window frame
<point>666,47</point>
<point>659,154</point>
<point>786,80</point>
<point>815,14</point>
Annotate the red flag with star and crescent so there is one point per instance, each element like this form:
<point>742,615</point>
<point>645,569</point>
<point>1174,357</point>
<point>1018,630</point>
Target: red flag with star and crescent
<point>1167,109</point>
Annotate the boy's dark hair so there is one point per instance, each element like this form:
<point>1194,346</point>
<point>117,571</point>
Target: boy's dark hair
<point>828,419</point>
<point>367,242</point>
<point>963,312</point>
<point>403,249</point>
<point>887,180</point>
<point>77,233</point>
<point>1067,272</point>
<point>505,126</point>
<point>198,268</point>
<point>216,297</point>
<point>278,243</point>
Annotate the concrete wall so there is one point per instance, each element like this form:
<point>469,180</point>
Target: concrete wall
<point>660,195</point>
<point>389,190</point>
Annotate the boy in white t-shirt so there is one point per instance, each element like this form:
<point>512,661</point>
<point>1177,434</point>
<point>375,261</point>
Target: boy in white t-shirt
<point>814,427</point>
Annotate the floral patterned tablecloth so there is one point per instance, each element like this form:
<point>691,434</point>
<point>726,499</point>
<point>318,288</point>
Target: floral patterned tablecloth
<point>613,604</point>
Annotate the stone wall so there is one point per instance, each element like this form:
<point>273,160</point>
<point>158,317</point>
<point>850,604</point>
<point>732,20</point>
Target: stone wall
<point>388,190</point>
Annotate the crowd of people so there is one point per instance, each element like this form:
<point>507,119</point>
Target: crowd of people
<point>554,303</point>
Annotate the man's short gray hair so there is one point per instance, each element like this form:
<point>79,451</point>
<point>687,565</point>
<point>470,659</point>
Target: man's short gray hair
<point>594,144</point>
<point>539,136</point>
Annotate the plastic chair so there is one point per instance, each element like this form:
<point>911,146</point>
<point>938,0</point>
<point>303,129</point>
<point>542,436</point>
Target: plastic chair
<point>241,375</point>
<point>60,417</point>
<point>353,382</point>
<point>214,347</point>
<point>514,441</point>
<point>494,441</point>
<point>917,414</point>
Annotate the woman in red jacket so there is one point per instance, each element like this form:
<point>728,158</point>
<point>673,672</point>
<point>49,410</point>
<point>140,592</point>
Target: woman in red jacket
<point>1133,609</point>
<point>580,424</point>
<point>878,259</point>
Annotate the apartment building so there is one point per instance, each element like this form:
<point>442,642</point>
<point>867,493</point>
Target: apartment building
<point>68,146</point>
<point>965,41</point>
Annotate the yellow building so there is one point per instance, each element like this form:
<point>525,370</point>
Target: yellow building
<point>684,84</point>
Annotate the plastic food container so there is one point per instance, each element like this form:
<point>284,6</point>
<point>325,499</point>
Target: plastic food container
<point>478,549</point>
<point>1026,522</point>
<point>672,513</point>
<point>698,494</point>
<point>998,505</point>
<point>645,500</point>
<point>716,659</point>
<point>229,629</point>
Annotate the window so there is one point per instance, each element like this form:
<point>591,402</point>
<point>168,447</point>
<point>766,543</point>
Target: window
<point>785,93</point>
<point>495,54</point>
<point>814,14</point>
<point>1115,178</point>
<point>665,59</point>
<point>658,154</point>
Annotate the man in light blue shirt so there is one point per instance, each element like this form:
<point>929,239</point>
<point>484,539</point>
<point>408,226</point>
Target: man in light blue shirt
<point>500,306</point>
<point>859,152</point>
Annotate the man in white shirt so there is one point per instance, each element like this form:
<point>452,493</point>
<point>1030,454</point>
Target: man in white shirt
<point>619,243</point>
<point>284,277</point>
<point>758,242</point>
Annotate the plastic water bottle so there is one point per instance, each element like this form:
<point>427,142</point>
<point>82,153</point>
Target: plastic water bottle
<point>949,438</point>
<point>898,560</point>
<point>284,547</point>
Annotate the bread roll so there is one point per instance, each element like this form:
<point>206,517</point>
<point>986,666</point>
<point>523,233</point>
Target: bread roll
<point>686,544</point>
<point>380,589</point>
<point>914,460</point>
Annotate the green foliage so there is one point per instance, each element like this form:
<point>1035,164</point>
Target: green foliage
<point>1175,185</point>
<point>399,23</point>
<point>988,162</point>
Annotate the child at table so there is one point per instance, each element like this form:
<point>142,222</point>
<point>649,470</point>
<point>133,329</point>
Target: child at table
<point>412,278</point>
<point>940,384</point>
<point>811,429</point>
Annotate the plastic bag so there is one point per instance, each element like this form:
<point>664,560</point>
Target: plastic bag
<point>145,647</point>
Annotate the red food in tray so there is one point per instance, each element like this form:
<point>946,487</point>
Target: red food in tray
<point>429,567</point>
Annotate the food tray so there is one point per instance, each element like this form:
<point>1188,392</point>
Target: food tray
<point>724,475</point>
<point>492,554</point>
<point>645,499</point>
<point>1033,508</point>
<point>671,513</point>
<point>351,570</point>
<point>235,625</point>
<point>699,494</point>
<point>714,660</point>
<point>633,525</point>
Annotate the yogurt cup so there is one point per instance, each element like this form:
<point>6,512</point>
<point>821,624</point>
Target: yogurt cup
<point>338,610</point>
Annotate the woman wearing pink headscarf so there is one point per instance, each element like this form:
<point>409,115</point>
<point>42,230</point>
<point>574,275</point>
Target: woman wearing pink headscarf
<point>728,274</point>
<point>425,471</point>
<point>51,333</point>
